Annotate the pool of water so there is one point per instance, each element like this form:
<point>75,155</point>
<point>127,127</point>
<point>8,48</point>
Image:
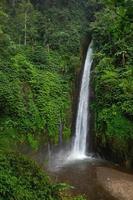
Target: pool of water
<point>91,176</point>
<point>82,175</point>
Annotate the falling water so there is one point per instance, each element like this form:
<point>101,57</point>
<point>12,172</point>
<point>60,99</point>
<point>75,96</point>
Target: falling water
<point>79,148</point>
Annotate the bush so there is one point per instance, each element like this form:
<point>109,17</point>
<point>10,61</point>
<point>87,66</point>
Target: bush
<point>22,179</point>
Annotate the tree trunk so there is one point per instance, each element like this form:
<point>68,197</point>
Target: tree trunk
<point>60,132</point>
<point>13,3</point>
<point>25,29</point>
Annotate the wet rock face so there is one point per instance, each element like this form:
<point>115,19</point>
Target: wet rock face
<point>108,151</point>
<point>78,75</point>
<point>128,164</point>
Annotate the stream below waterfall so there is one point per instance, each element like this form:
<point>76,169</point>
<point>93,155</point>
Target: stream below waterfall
<point>97,179</point>
<point>85,177</point>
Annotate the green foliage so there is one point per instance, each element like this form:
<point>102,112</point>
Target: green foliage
<point>32,141</point>
<point>112,33</point>
<point>39,45</point>
<point>74,198</point>
<point>52,100</point>
<point>22,179</point>
<point>36,99</point>
<point>117,125</point>
<point>40,57</point>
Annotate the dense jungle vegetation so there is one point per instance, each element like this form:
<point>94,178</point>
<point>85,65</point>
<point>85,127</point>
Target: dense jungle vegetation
<point>39,57</point>
<point>41,46</point>
<point>113,78</point>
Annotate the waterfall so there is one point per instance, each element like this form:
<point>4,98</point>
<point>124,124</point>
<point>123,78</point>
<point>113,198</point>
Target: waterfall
<point>79,147</point>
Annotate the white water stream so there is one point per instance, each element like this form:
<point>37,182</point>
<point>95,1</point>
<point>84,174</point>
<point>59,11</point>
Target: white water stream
<point>79,147</point>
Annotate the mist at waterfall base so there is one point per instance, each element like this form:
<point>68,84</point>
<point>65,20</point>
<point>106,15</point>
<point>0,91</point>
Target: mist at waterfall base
<point>77,151</point>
